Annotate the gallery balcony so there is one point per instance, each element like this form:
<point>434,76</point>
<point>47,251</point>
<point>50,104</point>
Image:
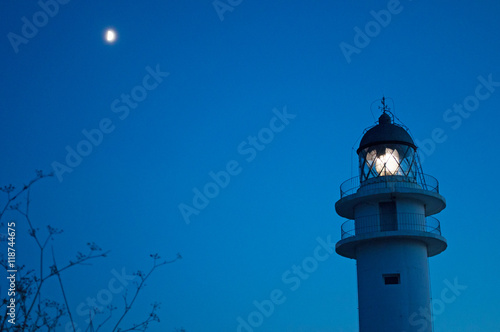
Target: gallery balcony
<point>398,225</point>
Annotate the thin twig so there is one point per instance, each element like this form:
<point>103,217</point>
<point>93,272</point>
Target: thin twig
<point>11,199</point>
<point>62,290</point>
<point>108,318</point>
<point>143,280</point>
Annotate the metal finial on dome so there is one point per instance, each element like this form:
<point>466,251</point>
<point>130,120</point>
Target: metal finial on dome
<point>384,118</point>
<point>384,107</point>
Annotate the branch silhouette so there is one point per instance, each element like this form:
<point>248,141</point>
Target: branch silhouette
<point>38,313</point>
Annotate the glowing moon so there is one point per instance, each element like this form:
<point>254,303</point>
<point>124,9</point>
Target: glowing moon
<point>110,36</point>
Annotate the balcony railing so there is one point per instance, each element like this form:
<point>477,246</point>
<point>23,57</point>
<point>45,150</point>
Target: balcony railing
<point>390,222</point>
<point>425,181</point>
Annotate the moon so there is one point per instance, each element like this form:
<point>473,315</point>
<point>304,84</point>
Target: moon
<point>110,36</point>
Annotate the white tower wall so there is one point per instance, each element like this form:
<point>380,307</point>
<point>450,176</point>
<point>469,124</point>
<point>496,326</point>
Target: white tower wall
<point>382,307</point>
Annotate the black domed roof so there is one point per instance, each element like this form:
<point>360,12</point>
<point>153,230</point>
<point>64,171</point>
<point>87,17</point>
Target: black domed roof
<point>386,132</point>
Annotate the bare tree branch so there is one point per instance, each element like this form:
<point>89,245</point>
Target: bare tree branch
<point>37,313</point>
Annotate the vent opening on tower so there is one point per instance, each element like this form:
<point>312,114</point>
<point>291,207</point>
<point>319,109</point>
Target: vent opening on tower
<point>392,279</point>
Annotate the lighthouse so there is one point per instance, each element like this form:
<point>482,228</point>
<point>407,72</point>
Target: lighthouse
<point>390,229</point>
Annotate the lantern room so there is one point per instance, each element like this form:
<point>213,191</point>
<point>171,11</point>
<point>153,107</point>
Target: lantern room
<point>387,149</point>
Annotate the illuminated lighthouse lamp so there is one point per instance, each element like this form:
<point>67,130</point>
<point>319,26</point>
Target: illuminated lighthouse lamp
<point>387,150</point>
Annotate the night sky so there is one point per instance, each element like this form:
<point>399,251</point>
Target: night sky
<point>222,130</point>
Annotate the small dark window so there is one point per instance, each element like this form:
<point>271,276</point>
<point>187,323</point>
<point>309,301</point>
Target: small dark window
<point>391,279</point>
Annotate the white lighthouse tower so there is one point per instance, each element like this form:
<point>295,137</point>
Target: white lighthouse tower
<point>390,232</point>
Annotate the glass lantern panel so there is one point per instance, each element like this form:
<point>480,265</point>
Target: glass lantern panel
<point>387,160</point>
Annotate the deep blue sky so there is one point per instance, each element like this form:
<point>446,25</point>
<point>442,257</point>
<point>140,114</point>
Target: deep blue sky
<point>225,78</point>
